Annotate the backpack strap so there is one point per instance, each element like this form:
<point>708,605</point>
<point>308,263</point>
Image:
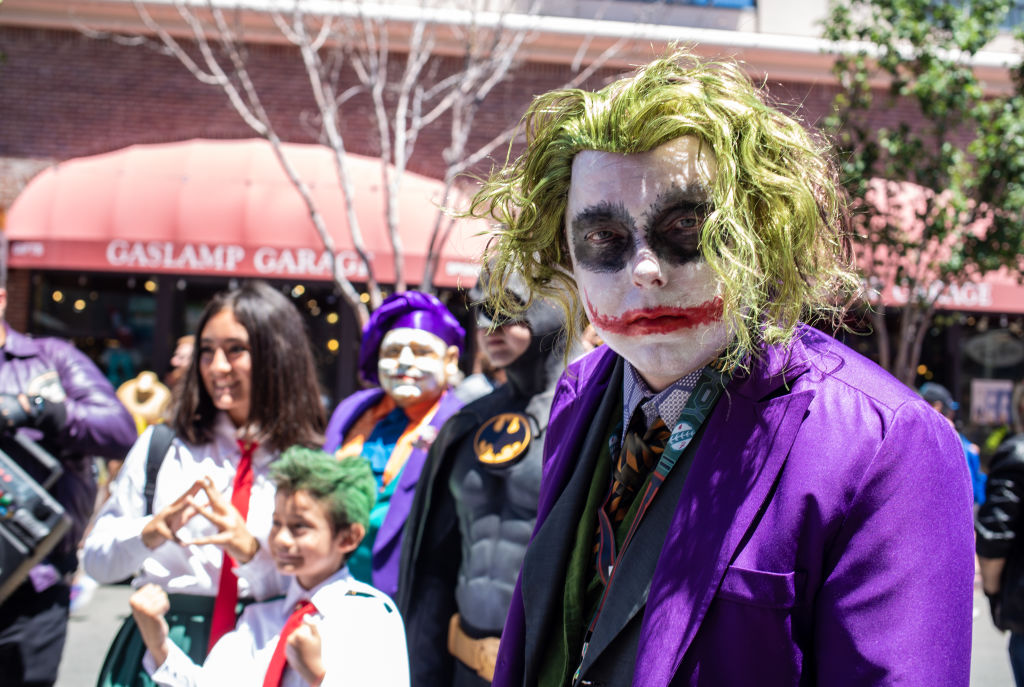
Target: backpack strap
<point>159,444</point>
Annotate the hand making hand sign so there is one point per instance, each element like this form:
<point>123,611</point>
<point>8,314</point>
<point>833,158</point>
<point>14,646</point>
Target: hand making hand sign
<point>165,524</point>
<point>232,536</point>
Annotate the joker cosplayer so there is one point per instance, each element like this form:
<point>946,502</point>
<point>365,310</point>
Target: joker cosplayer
<point>410,348</point>
<point>730,497</point>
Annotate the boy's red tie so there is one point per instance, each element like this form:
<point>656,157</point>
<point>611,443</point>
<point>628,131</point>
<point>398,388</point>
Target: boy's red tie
<point>278,661</point>
<point>224,617</point>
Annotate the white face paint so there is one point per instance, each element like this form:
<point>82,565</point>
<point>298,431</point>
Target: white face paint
<point>633,225</point>
<point>413,365</point>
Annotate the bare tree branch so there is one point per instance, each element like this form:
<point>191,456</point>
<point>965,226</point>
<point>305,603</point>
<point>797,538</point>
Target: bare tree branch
<point>249,107</point>
<point>327,106</point>
<point>348,55</point>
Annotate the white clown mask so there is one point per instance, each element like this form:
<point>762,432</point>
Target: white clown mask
<point>414,366</point>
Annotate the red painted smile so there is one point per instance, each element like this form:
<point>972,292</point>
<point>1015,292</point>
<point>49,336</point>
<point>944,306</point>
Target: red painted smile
<point>657,320</point>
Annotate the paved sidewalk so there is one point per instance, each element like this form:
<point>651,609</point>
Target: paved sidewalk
<point>90,632</point>
<point>990,664</point>
<point>92,629</point>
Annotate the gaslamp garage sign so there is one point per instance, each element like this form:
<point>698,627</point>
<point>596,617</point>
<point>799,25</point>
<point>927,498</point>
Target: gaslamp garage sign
<point>120,255</point>
<point>231,258</point>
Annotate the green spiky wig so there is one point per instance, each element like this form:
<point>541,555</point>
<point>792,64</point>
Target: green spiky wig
<point>346,487</point>
<point>778,236</point>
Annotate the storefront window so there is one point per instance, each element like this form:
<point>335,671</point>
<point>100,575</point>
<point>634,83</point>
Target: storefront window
<point>128,323</point>
<point>111,318</point>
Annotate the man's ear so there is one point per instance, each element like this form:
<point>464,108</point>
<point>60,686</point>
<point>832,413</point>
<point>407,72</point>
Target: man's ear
<point>451,362</point>
<point>349,538</point>
<point>3,303</point>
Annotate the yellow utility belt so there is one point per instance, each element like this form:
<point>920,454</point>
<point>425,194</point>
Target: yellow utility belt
<point>479,654</point>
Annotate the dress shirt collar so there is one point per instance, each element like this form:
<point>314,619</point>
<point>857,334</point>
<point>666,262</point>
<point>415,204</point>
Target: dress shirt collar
<point>226,436</point>
<point>667,404</point>
<point>296,593</point>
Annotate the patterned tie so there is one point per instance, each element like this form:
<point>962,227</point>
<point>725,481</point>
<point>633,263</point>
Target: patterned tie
<point>639,455</point>
<point>224,618</point>
<point>278,661</point>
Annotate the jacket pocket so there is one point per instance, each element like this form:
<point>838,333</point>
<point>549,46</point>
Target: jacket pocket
<point>758,588</point>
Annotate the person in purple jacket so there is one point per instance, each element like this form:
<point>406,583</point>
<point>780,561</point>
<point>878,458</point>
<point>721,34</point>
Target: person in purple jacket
<point>730,497</point>
<point>410,349</point>
<point>56,396</point>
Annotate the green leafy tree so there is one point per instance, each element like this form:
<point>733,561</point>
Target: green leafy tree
<point>939,193</point>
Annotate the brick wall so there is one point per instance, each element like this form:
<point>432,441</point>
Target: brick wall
<point>66,95</point>
<point>18,300</point>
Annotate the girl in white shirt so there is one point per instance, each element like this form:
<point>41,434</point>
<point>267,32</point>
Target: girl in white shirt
<point>320,515</point>
<point>251,388</point>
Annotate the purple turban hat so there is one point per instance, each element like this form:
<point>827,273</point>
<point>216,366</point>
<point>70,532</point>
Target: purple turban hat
<point>412,309</point>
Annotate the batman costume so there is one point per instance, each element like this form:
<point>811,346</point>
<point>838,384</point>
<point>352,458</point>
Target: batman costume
<point>472,515</point>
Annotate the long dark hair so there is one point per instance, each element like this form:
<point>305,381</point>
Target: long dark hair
<point>284,405</point>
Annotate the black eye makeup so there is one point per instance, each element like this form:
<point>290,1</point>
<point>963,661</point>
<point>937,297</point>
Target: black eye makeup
<point>604,235</point>
<point>673,230</point>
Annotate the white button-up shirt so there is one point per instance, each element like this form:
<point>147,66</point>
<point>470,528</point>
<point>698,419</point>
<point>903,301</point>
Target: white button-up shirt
<point>114,550</point>
<point>362,635</point>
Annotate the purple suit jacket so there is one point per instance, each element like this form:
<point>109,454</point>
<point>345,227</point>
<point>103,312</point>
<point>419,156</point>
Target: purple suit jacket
<point>387,547</point>
<point>823,535</point>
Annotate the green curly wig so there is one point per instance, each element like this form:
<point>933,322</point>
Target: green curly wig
<point>778,236</point>
<point>346,487</point>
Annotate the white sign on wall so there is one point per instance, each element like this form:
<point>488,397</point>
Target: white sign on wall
<point>990,401</point>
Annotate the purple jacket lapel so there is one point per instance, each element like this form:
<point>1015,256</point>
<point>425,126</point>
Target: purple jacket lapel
<point>548,554</point>
<point>346,414</point>
<point>572,414</point>
<point>386,546</point>
<point>571,418</point>
<point>737,463</point>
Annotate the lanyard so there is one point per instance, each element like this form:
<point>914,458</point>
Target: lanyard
<point>698,406</point>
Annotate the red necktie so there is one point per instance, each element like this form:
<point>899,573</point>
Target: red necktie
<point>224,617</point>
<point>278,661</point>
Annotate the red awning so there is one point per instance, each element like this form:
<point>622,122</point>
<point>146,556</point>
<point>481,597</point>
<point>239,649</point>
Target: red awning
<point>225,208</point>
<point>900,203</point>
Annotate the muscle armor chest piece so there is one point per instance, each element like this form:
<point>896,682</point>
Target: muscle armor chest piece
<point>496,503</point>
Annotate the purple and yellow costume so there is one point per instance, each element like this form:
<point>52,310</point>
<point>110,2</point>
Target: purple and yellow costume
<point>369,422</point>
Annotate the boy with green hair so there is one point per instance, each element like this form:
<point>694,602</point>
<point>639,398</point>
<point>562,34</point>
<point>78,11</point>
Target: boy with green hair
<point>321,512</point>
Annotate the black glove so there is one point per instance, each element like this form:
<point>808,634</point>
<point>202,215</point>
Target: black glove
<point>48,417</point>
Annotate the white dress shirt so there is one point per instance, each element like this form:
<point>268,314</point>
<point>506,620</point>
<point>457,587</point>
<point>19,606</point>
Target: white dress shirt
<point>114,549</point>
<point>362,634</point>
